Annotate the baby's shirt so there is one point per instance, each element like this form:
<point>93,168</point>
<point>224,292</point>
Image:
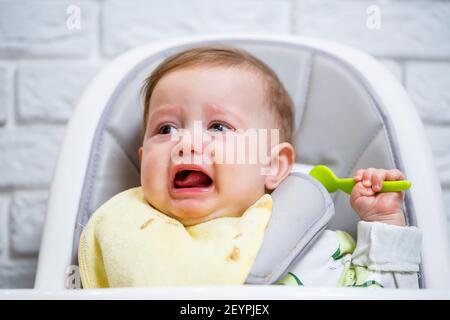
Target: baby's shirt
<point>384,256</point>
<point>128,243</point>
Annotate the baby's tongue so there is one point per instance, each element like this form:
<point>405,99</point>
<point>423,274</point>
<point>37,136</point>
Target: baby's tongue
<point>192,179</point>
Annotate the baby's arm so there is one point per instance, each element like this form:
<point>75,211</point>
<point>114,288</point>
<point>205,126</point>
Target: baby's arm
<point>385,245</point>
<point>386,253</point>
<point>389,254</point>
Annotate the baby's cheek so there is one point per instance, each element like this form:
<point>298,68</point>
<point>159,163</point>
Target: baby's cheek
<point>154,169</point>
<point>241,181</point>
<point>237,151</point>
<point>154,183</point>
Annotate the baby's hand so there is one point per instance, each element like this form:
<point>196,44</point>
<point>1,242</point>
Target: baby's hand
<point>372,206</point>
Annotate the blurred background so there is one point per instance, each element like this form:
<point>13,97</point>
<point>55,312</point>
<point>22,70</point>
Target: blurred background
<point>50,50</point>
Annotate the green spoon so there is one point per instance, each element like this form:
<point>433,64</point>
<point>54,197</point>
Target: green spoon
<point>333,183</point>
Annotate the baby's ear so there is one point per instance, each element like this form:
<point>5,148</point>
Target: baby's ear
<point>281,162</point>
<point>140,154</point>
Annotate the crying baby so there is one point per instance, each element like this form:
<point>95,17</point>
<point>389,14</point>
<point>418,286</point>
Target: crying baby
<point>216,141</point>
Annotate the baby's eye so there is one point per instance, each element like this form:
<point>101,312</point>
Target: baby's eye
<point>217,126</point>
<point>167,129</point>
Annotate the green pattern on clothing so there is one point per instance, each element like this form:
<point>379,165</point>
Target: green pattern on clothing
<point>356,276</point>
<point>290,279</point>
<point>370,284</point>
<point>348,276</point>
<point>352,275</point>
<point>346,244</point>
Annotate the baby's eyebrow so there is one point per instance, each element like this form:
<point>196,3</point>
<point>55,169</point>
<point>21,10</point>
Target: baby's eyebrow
<point>163,110</point>
<point>215,108</point>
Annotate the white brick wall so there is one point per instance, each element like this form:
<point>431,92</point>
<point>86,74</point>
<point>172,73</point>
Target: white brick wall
<point>6,91</point>
<point>37,29</point>
<point>416,29</point>
<point>124,26</point>
<point>428,84</point>
<point>44,66</point>
<point>4,208</point>
<point>439,137</point>
<point>28,156</point>
<point>66,81</point>
<point>447,201</point>
<point>27,217</point>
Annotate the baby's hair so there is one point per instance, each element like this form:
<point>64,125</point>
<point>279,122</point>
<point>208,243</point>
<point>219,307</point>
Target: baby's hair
<point>226,56</point>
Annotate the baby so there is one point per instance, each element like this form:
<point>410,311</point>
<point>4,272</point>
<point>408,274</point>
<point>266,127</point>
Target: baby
<point>198,104</point>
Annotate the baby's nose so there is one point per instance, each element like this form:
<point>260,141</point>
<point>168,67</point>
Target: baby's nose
<point>190,148</point>
<point>192,142</point>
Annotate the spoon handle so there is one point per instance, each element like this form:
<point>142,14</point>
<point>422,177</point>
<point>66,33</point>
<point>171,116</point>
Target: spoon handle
<point>394,186</point>
<point>347,185</point>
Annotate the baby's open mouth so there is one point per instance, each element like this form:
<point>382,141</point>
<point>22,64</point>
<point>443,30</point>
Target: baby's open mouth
<point>191,179</point>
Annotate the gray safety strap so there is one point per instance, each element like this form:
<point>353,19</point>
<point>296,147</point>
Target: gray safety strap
<point>302,208</point>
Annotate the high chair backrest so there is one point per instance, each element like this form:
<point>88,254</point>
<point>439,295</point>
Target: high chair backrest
<point>350,113</point>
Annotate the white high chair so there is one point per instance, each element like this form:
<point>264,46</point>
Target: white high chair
<point>350,113</point>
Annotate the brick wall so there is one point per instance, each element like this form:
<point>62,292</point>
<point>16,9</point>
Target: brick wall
<point>45,65</point>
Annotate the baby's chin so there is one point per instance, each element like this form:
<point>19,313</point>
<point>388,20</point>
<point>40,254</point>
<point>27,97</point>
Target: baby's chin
<point>192,211</point>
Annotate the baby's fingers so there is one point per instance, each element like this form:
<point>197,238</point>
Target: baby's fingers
<point>395,174</point>
<point>367,177</point>
<point>379,175</point>
<point>358,175</point>
<point>360,191</point>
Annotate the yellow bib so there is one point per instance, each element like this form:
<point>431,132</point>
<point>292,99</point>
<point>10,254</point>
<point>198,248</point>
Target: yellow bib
<point>127,243</point>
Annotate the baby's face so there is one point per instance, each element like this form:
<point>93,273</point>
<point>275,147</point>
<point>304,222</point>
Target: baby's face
<point>194,114</point>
